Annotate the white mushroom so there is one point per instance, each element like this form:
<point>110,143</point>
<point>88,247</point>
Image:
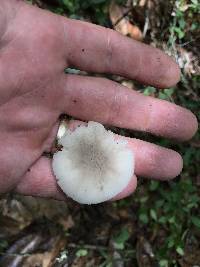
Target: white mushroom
<point>93,166</point>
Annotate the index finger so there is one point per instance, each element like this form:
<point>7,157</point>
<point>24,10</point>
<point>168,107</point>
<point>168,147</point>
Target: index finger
<point>97,49</point>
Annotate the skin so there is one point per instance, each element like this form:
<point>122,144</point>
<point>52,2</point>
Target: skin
<point>35,48</point>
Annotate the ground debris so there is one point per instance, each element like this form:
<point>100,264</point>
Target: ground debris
<point>121,23</point>
<point>144,252</point>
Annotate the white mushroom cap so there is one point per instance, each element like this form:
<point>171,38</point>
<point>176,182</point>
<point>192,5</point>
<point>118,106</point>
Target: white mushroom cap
<point>93,166</point>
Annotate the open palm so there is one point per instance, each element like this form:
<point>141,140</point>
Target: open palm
<point>35,48</point>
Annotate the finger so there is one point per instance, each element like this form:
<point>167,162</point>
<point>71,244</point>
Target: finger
<point>131,187</point>
<point>105,101</point>
<point>151,161</point>
<point>40,181</point>
<point>97,49</point>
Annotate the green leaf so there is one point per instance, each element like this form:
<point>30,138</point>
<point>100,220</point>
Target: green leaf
<point>121,239</point>
<point>71,7</point>
<point>196,221</point>
<point>162,96</point>
<point>172,220</point>
<point>162,220</point>
<point>144,199</point>
<point>153,215</point>
<point>180,33</point>
<point>180,251</point>
<point>181,23</point>
<point>81,253</point>
<point>154,185</point>
<point>170,241</point>
<point>149,90</point>
<point>195,2</point>
<point>143,218</point>
<point>169,92</point>
<point>163,263</point>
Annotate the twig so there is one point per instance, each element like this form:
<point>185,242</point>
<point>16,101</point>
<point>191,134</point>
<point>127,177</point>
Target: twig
<point>92,247</point>
<point>122,17</point>
<point>146,25</point>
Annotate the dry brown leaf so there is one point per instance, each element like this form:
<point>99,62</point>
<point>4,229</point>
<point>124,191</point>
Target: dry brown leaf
<point>40,259</point>
<point>188,62</point>
<point>128,84</point>
<point>142,3</point>
<point>121,23</point>
<point>190,259</point>
<point>67,223</point>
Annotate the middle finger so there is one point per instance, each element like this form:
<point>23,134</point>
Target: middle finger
<point>105,101</point>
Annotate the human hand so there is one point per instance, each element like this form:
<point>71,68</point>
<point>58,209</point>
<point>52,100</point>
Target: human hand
<point>35,48</point>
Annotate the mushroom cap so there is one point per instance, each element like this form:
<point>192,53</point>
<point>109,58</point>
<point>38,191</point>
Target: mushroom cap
<point>93,166</point>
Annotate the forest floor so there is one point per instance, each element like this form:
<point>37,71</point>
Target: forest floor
<point>159,225</point>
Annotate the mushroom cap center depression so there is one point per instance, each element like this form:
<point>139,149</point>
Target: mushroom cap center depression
<point>91,158</point>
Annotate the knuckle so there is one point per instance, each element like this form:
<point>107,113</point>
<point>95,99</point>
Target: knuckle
<point>115,107</point>
<point>109,48</point>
